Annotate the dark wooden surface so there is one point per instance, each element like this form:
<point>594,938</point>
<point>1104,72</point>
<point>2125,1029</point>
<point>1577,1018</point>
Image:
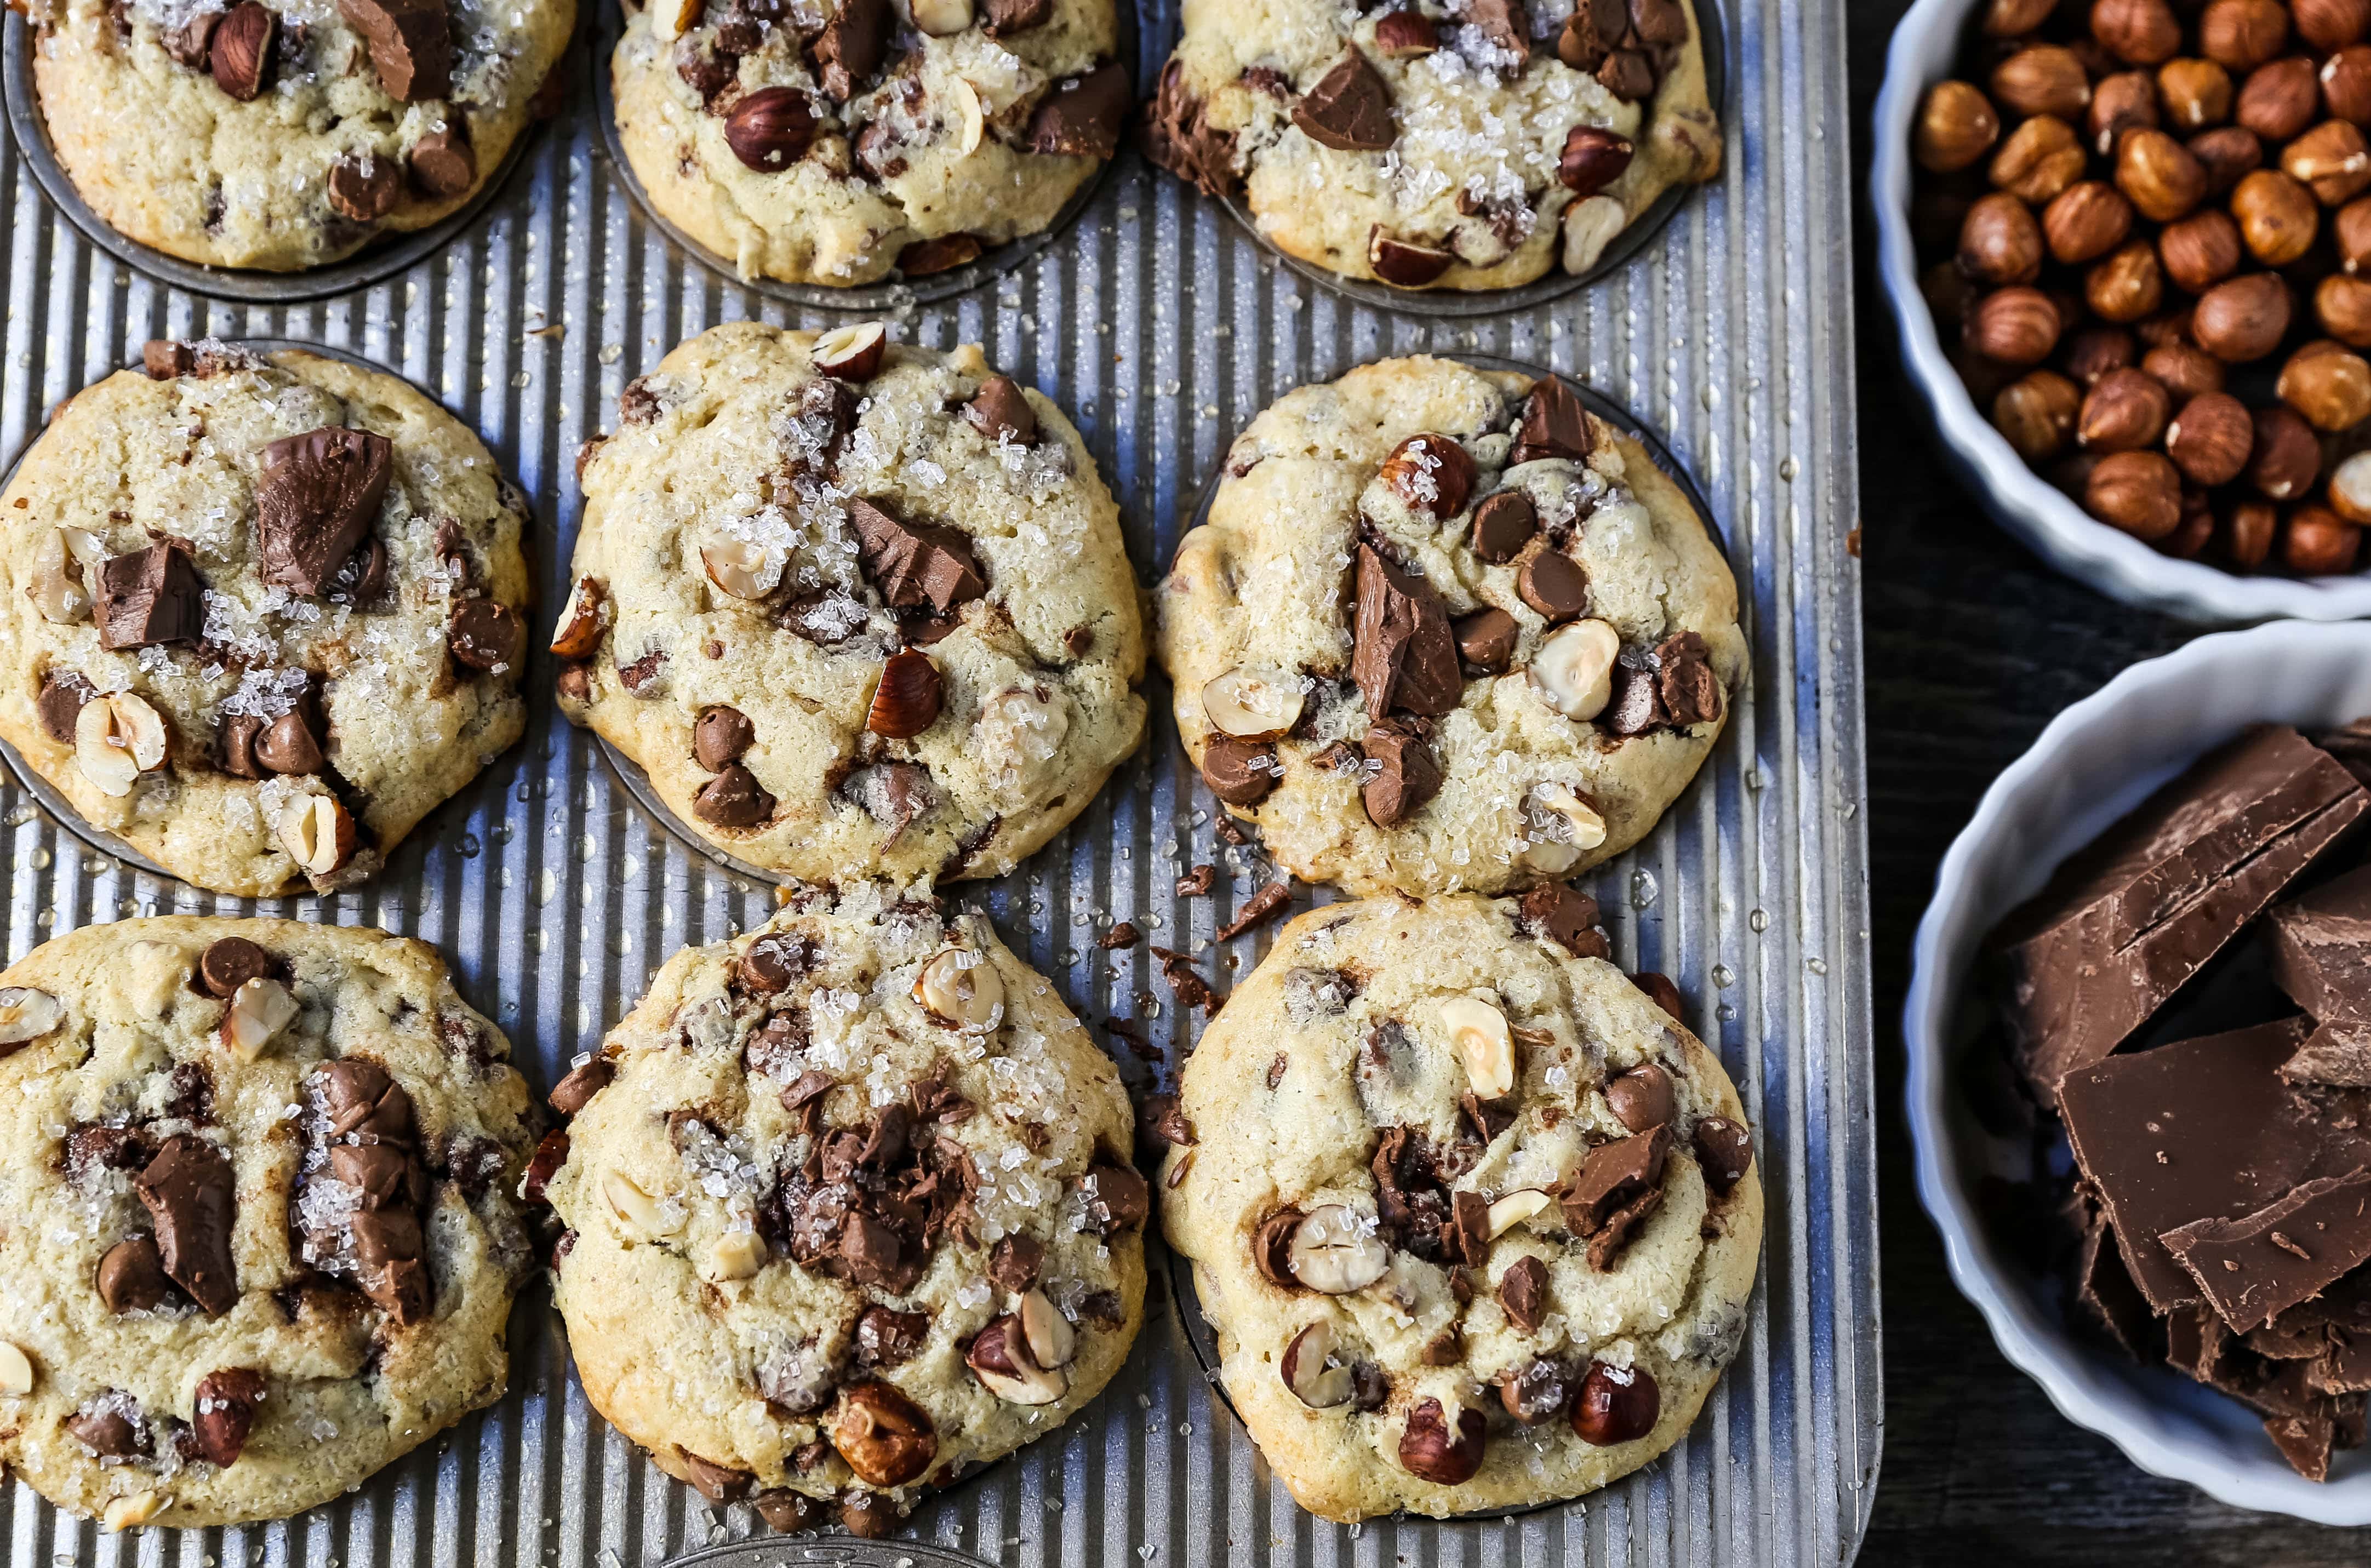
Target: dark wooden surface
<point>1973,645</point>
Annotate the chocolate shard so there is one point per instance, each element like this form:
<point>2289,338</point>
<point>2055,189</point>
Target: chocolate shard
<point>2104,1290</point>
<point>1690,691</point>
<point>1180,139</point>
<point>2304,1441</point>
<point>1613,1175</point>
<point>1081,117</point>
<point>2320,945</point>
<point>2253,1268</point>
<point>149,597</point>
<point>1567,916</point>
<point>1348,109</point>
<point>1505,27</point>
<point>1002,18</point>
<point>1554,424</point>
<point>411,44</point>
<point>2199,1129</point>
<point>849,47</point>
<point>189,1193</point>
<point>914,564</point>
<point>317,497</point>
<point>1240,772</point>
<point>2126,922</point>
<point>1403,654</point>
<point>1000,412</point>
<point>2335,1054</point>
<point>1407,775</point>
<point>1523,1291</point>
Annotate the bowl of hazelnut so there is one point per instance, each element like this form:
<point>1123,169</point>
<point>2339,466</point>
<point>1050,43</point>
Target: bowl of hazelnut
<point>2128,247</point>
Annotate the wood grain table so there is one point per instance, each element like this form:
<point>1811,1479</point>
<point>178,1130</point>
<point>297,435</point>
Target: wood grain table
<point>1973,646</point>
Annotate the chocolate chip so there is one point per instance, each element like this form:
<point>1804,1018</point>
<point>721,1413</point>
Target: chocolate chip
<point>550,1154</point>
<point>149,597</point>
<point>1595,29</point>
<point>1402,654</point>
<point>485,635</point>
<point>1000,412</point>
<point>1689,689</point>
<point>915,563</point>
<point>231,962</point>
<point>1080,118</point>
<point>1642,1098</point>
<point>1350,108</point>
<point>1725,1150</point>
<point>1002,18</point>
<point>944,254</point>
<point>1014,1263</point>
<point>1523,1291</point>
<point>642,677</point>
<point>240,53</point>
<point>106,1431</point>
<point>572,1093</point>
<point>442,164</point>
<point>132,1276</point>
<point>223,1414</point>
<point>1407,776</point>
<point>236,753</point>
<point>1636,705</point>
<point>1503,524</point>
<point>60,703</point>
<point>95,1146</point>
<point>1486,638</point>
<point>286,746</point>
<point>162,358</point>
<point>849,47</point>
<point>1627,75</point>
<point>772,962</point>
<point>790,1512</point>
<point>1553,583</point>
<point>188,1191</point>
<point>1554,424</point>
<point>1166,1121</point>
<point>1567,916</point>
<point>886,1338</point>
<point>733,799</point>
<point>411,44</point>
<point>317,497</point>
<point>720,735</point>
<point>1116,1199</point>
<point>1239,772</point>
<point>1179,137</point>
<point>771,129</point>
<point>362,582</point>
<point>718,1483</point>
<point>364,187</point>
<point>706,71</point>
<point>1661,992</point>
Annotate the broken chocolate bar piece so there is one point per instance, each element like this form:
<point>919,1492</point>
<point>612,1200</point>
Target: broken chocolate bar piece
<point>2105,1292</point>
<point>2321,948</point>
<point>2336,1054</point>
<point>2126,922</point>
<point>2201,1129</point>
<point>2253,1268</point>
<point>2304,1441</point>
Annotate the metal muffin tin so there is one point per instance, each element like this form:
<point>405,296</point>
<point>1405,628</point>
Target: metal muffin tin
<point>1162,329</point>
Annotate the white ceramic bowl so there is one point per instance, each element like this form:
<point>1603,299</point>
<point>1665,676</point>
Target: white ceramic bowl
<point>2095,761</point>
<point>1924,48</point>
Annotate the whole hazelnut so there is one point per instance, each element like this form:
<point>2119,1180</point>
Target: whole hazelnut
<point>2350,229</point>
<point>2165,326</point>
<point>2124,101</point>
<point>2279,100</point>
<point>2185,370</point>
<point>2040,160</point>
<point>2196,94</point>
<point>2087,221</point>
<point>2015,325</point>
<point>2142,31</point>
<point>2333,159</point>
<point>2225,153</point>
<point>2329,385</point>
<point>2126,410</point>
<point>1956,126</point>
<point>2240,35</point>
<point>2014,18</point>
<point>2286,457</point>
<point>2137,492</point>
<point>2342,306</point>
<point>1999,242</point>
<point>2330,24</point>
<point>2037,413</point>
<point>2242,318</point>
<point>2277,216</point>
<point>2345,80</point>
<point>2319,543</point>
<point>2245,537</point>
<point>2157,175</point>
<point>1983,377</point>
<point>2126,283</point>
<point>2201,250</point>
<point>2209,439</point>
<point>2350,488</point>
<point>2192,535</point>
<point>2095,350</point>
<point>2042,78</point>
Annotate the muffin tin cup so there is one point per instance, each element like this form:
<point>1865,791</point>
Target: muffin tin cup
<point>373,264</point>
<point>1556,284</point>
<point>897,294</point>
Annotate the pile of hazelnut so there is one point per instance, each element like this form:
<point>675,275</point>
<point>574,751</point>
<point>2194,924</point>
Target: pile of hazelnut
<point>2149,226</point>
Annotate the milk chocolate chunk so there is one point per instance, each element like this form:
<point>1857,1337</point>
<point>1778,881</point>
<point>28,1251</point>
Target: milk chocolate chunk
<point>2105,1292</point>
<point>575,1092</point>
<point>1523,1291</point>
<point>1080,118</point>
<point>1239,772</point>
<point>2253,1268</point>
<point>1407,775</point>
<point>1554,424</point>
<point>411,44</point>
<point>1000,412</point>
<point>2320,945</point>
<point>2201,1129</point>
<point>1348,109</point>
<point>1179,139</point>
<point>364,1104</point>
<point>1485,639</point>
<point>2338,1053</point>
<point>2304,1441</point>
<point>60,703</point>
<point>316,499</point>
<point>442,162</point>
<point>189,1191</point>
<point>1116,1199</point>
<point>132,1276</point>
<point>1684,680</point>
<point>1642,1098</point>
<point>849,47</point>
<point>1613,1175</point>
<point>915,563</point>
<point>1567,916</point>
<point>106,1430</point>
<point>1402,654</point>
<point>223,1414</point>
<point>2126,922</point>
<point>718,1483</point>
<point>287,745</point>
<point>149,597</point>
<point>1002,18</point>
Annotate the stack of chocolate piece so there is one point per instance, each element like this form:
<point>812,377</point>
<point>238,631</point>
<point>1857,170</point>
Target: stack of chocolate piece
<point>2221,1185</point>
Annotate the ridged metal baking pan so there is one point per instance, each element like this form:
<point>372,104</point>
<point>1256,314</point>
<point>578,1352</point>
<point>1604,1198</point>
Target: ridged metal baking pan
<point>1163,328</point>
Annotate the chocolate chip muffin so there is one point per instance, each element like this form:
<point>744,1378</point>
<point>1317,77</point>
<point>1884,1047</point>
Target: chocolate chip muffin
<point>260,1236</point>
<point>280,136</point>
<point>1471,145</point>
<point>1444,629</point>
<point>849,1211</point>
<point>856,608</point>
<point>259,613</point>
<point>835,141</point>
<point>1474,1220</point>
